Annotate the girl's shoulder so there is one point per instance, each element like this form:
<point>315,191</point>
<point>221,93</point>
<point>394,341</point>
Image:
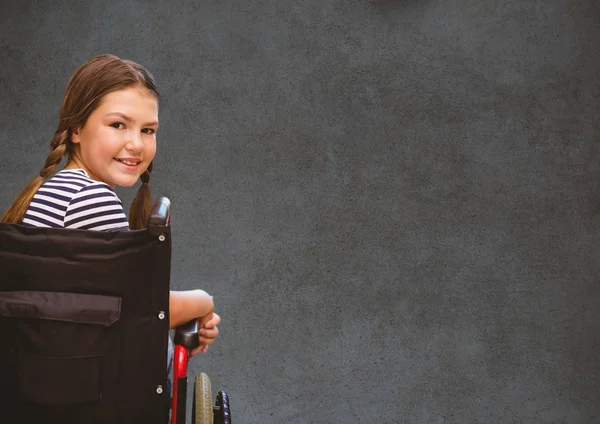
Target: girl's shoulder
<point>77,182</point>
<point>72,184</point>
<point>74,178</point>
<point>71,199</point>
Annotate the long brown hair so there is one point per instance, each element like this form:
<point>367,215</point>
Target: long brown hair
<point>89,83</point>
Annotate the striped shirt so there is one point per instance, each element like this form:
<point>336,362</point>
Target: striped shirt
<point>71,199</point>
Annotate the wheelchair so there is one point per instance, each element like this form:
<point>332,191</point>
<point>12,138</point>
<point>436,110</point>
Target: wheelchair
<point>84,329</point>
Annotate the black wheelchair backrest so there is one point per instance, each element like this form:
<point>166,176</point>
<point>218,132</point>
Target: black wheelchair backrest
<point>84,323</point>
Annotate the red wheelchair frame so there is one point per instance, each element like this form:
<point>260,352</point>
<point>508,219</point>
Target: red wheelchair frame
<point>186,339</point>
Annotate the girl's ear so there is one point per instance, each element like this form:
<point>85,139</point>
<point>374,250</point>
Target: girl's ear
<point>75,135</point>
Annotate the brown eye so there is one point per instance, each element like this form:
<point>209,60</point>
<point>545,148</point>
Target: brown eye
<point>118,125</point>
<point>149,131</point>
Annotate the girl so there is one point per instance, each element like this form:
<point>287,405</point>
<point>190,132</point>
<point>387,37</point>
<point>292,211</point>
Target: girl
<point>107,131</point>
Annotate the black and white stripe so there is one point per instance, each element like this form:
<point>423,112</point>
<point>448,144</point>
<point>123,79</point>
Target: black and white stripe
<point>71,199</point>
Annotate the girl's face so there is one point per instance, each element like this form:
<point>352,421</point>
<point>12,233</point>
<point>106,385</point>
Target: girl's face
<point>118,141</point>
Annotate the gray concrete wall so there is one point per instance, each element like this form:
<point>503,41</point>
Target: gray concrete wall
<point>395,203</point>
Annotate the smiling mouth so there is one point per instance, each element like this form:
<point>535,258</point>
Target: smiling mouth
<point>128,162</point>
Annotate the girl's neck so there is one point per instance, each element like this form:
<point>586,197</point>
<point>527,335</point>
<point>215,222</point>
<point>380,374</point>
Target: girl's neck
<point>74,164</point>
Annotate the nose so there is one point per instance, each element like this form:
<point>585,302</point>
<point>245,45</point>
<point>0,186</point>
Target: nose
<point>135,142</point>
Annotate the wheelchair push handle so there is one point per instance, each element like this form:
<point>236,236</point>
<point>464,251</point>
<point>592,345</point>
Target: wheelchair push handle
<point>187,335</point>
<point>160,216</point>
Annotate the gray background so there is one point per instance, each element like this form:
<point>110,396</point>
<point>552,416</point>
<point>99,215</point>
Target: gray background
<point>395,203</point>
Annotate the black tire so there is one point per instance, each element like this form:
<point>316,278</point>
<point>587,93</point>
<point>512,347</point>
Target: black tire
<point>202,409</point>
<point>222,410</point>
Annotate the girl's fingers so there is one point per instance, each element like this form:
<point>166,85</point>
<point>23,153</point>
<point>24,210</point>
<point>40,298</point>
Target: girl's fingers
<point>209,332</point>
<point>202,348</point>
<point>206,340</point>
<point>213,322</point>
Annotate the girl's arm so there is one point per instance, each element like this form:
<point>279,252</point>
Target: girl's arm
<point>184,306</point>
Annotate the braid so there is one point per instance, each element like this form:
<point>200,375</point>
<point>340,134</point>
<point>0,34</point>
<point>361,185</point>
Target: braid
<point>139,211</point>
<point>59,149</point>
<point>60,146</point>
<point>146,175</point>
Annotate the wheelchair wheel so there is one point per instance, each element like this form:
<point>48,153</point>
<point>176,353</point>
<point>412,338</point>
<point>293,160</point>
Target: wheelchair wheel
<point>202,409</point>
<point>221,409</point>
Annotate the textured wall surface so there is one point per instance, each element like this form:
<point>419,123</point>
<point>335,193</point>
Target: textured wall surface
<point>394,203</point>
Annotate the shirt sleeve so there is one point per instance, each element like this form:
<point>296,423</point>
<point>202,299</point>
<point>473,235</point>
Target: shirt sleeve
<point>96,207</point>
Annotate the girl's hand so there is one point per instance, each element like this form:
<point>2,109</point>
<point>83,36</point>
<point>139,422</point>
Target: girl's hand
<point>207,331</point>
